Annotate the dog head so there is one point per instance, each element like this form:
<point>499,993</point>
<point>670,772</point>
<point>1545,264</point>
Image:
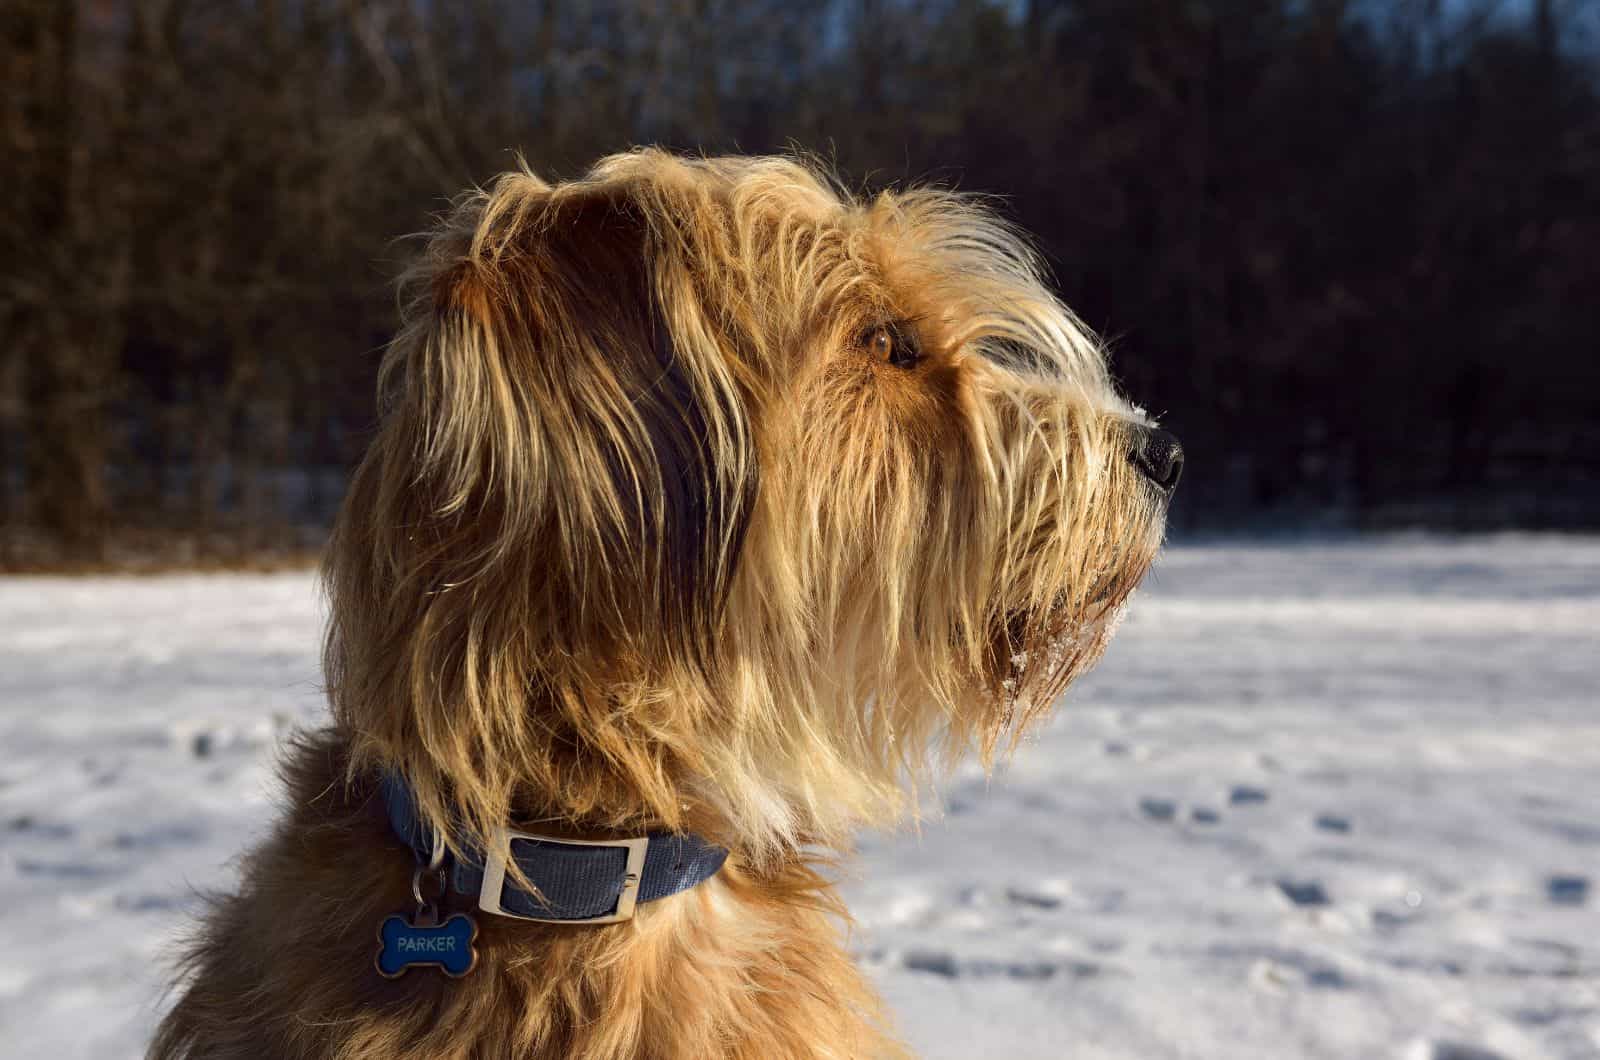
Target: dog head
<point>708,495</point>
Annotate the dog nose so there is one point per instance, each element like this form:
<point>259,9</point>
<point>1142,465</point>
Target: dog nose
<point>1158,455</point>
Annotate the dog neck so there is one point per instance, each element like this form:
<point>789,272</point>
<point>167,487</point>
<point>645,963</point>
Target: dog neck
<point>553,878</point>
<point>750,963</point>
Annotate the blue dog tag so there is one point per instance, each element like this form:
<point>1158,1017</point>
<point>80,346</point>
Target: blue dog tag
<point>447,946</point>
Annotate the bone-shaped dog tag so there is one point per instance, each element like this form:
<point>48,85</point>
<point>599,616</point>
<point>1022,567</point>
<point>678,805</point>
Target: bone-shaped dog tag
<point>448,946</point>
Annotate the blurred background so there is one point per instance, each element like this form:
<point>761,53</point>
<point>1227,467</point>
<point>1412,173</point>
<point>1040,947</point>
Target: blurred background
<point>1332,791</point>
<point>1347,250</point>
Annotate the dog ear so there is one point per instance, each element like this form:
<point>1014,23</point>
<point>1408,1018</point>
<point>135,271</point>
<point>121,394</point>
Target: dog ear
<point>579,455</point>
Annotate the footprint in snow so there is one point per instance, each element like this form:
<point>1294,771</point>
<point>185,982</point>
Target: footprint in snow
<point>1444,1050</point>
<point>1303,892</point>
<point>1280,975</point>
<point>1158,809</point>
<point>945,964</point>
<point>1247,795</point>
<point>35,828</point>
<point>63,870</point>
<point>151,903</point>
<point>933,962</point>
<point>955,806</point>
<point>1388,919</point>
<point>1025,970</point>
<point>1567,890</point>
<point>159,836</point>
<point>1033,898</point>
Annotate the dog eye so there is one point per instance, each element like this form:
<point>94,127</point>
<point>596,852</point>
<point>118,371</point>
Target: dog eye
<point>886,342</point>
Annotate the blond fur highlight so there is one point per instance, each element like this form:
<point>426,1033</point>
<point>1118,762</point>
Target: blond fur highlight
<point>648,540</point>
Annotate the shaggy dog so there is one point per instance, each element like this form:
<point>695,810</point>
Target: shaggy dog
<point>709,504</point>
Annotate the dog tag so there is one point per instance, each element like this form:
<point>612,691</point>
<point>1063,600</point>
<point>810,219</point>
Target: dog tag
<point>403,945</point>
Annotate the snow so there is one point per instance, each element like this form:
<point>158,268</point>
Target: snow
<point>1319,800</point>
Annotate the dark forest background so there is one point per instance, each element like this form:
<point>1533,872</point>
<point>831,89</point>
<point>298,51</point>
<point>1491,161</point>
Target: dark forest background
<point>1348,251</point>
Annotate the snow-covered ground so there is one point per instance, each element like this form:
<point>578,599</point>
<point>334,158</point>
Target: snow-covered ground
<point>1333,800</point>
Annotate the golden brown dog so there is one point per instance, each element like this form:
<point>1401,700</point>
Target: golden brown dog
<point>707,501</point>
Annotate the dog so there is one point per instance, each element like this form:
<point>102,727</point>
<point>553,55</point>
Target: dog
<point>711,510</point>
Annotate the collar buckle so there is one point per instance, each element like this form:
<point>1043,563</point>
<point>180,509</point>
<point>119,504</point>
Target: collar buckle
<point>492,893</point>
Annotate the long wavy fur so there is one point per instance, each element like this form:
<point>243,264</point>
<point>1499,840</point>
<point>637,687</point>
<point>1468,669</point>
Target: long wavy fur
<point>650,538</point>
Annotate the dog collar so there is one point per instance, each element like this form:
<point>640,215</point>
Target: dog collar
<point>579,881</point>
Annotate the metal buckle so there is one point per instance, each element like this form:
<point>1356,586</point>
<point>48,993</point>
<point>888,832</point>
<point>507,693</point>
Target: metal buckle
<point>494,876</point>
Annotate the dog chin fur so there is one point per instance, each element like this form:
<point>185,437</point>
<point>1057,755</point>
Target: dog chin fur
<point>706,497</point>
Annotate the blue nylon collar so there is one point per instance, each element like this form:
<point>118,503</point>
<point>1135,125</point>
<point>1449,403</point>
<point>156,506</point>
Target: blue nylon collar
<point>575,882</point>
